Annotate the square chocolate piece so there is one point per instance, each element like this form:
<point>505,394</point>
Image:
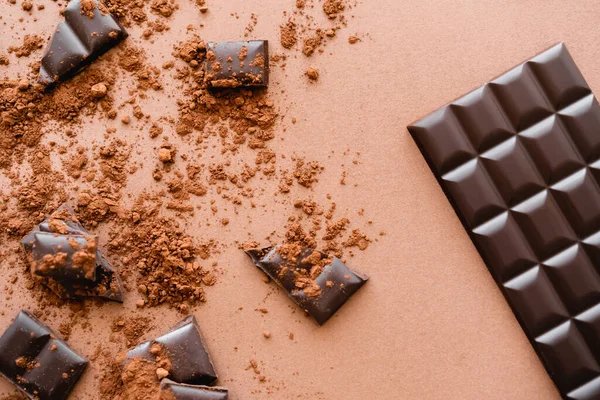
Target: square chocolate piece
<point>36,361</point>
<point>519,159</point>
<point>185,348</point>
<point>236,64</point>
<point>86,34</point>
<point>170,390</point>
<point>318,284</point>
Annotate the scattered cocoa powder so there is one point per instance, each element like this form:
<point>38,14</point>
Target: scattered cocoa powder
<point>161,257</point>
<point>30,44</point>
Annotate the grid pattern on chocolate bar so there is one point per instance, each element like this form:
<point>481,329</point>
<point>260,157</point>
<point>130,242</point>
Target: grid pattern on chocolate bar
<point>519,159</point>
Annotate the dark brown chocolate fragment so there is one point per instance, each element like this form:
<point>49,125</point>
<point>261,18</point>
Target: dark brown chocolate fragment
<point>186,350</point>
<point>176,391</point>
<point>36,361</point>
<point>320,293</point>
<point>78,41</point>
<point>58,229</point>
<point>63,257</point>
<point>519,159</point>
<point>237,64</point>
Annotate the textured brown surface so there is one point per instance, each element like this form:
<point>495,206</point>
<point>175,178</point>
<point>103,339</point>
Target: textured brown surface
<point>431,323</point>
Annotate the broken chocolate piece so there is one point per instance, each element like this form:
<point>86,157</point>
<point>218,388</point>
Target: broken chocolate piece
<point>519,160</point>
<point>236,64</point>
<point>79,40</point>
<point>186,350</point>
<point>64,257</point>
<point>176,391</point>
<point>318,284</point>
<point>59,228</point>
<point>36,361</point>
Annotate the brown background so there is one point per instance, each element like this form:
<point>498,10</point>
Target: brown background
<point>431,323</point>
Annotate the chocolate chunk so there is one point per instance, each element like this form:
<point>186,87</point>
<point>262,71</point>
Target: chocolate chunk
<point>64,257</point>
<point>86,34</point>
<point>176,391</point>
<point>36,361</point>
<point>186,350</point>
<point>63,229</point>
<point>519,160</point>
<point>318,284</point>
<point>235,64</point>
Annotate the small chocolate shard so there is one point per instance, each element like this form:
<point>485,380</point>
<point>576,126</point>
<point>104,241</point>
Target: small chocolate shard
<point>317,283</point>
<point>186,350</point>
<point>237,64</point>
<point>170,390</point>
<point>79,40</point>
<point>36,361</point>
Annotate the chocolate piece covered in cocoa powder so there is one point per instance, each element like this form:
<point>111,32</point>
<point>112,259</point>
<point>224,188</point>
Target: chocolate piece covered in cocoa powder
<point>317,283</point>
<point>65,257</point>
<point>36,361</point>
<point>237,64</point>
<point>88,32</point>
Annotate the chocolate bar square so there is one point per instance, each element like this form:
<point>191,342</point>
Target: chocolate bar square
<point>235,64</point>
<point>185,348</point>
<point>36,361</point>
<point>518,159</point>
<point>84,36</point>
<point>321,293</point>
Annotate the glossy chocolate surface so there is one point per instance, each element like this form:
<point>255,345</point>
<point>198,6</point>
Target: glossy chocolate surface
<point>337,282</point>
<point>78,41</point>
<point>235,64</point>
<point>48,244</point>
<point>176,391</point>
<point>518,159</point>
<point>36,361</point>
<point>60,227</point>
<point>186,349</point>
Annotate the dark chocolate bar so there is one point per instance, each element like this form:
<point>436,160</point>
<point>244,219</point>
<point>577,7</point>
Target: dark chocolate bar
<point>63,226</point>
<point>177,391</point>
<point>318,284</point>
<point>235,64</point>
<point>85,35</point>
<point>36,361</point>
<point>186,350</point>
<point>518,159</point>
